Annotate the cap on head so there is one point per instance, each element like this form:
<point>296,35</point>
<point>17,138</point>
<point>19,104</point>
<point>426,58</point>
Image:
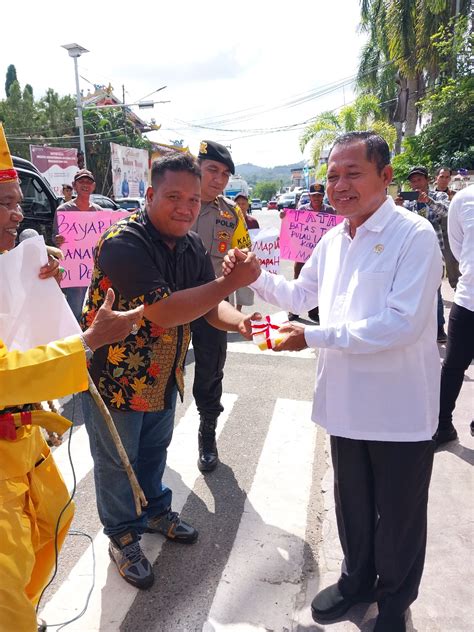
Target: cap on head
<point>420,170</point>
<point>241,195</point>
<point>316,189</point>
<point>209,150</point>
<point>7,172</point>
<point>84,173</point>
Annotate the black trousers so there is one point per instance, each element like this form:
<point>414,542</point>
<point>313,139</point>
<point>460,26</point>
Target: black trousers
<point>298,266</point>
<point>381,494</point>
<point>210,348</point>
<point>459,355</point>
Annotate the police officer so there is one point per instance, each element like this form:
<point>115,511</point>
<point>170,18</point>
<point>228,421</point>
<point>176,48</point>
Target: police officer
<point>221,226</point>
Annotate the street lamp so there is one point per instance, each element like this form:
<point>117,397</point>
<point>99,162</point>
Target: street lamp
<point>75,51</point>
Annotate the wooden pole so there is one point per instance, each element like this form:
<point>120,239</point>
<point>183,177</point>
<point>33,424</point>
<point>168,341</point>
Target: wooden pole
<point>138,495</point>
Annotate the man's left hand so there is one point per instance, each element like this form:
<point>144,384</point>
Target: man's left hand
<point>294,339</point>
<point>245,328</point>
<point>51,269</point>
<point>423,197</point>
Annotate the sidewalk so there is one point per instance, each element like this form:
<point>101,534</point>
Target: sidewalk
<point>446,601</point>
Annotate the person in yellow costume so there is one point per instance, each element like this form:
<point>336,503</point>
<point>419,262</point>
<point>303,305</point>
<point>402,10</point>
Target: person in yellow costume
<point>32,491</point>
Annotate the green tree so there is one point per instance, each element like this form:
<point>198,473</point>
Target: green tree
<point>364,113</point>
<point>101,127</point>
<point>10,78</point>
<point>400,35</point>
<point>265,190</point>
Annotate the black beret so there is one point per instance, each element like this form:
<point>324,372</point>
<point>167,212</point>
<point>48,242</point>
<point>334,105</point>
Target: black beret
<point>209,150</point>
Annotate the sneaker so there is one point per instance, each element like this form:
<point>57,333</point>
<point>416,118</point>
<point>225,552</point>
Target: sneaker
<point>132,564</point>
<point>172,527</point>
<point>441,337</point>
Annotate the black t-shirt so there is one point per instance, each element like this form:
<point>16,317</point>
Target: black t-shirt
<point>132,258</point>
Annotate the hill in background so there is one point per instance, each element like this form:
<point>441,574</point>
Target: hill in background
<point>253,173</point>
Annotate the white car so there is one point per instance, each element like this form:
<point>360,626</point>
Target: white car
<point>131,204</point>
<point>256,204</point>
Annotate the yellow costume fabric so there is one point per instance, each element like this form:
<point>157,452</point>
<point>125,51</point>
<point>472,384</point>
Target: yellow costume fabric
<point>32,491</point>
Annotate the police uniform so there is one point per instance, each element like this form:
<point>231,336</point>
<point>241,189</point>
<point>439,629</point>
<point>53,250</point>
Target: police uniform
<point>221,226</point>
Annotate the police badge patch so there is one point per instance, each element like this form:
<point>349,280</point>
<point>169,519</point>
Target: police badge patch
<point>223,235</point>
<point>222,247</point>
<point>203,147</point>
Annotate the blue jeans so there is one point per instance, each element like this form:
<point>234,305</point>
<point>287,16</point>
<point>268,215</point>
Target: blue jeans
<point>145,437</point>
<point>75,298</point>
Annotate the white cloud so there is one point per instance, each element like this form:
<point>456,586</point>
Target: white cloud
<point>214,57</point>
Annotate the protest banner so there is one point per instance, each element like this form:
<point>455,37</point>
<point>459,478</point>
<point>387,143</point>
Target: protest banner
<point>57,164</point>
<point>266,245</point>
<point>81,230</point>
<point>129,171</point>
<point>301,231</point>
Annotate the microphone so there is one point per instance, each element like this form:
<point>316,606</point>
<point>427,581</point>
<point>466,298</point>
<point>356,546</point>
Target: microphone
<point>28,233</point>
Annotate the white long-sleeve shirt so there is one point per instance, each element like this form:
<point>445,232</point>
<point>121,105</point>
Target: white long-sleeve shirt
<point>461,240</point>
<point>378,371</point>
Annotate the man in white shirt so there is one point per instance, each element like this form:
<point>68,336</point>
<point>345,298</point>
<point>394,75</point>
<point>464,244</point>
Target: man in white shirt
<point>375,278</point>
<point>460,346</point>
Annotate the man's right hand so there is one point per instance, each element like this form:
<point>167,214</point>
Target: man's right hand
<point>59,240</point>
<point>243,265</point>
<point>109,326</point>
<point>399,200</point>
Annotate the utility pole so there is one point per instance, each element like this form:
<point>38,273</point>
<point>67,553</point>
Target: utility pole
<point>75,51</point>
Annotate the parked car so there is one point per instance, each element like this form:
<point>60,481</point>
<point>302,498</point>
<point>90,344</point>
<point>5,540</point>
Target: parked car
<point>304,199</point>
<point>39,200</point>
<point>256,204</point>
<point>131,204</point>
<point>264,203</point>
<point>272,204</point>
<point>287,200</point>
<point>105,202</point>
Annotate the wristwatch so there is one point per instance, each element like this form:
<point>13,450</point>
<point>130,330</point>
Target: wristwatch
<point>88,351</point>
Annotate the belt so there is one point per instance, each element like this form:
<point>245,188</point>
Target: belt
<point>11,422</point>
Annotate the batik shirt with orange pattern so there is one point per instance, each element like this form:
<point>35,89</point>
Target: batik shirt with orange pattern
<point>141,372</point>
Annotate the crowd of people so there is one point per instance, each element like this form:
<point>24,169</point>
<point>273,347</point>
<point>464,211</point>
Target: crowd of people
<point>163,276</point>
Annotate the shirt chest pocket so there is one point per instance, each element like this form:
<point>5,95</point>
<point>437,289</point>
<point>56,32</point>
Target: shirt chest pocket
<point>222,236</point>
<point>368,294</point>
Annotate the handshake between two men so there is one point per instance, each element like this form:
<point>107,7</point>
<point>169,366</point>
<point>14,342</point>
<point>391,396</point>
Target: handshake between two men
<point>234,261</point>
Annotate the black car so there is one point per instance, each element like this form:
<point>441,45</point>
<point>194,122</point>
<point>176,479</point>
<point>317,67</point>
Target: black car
<point>40,202</point>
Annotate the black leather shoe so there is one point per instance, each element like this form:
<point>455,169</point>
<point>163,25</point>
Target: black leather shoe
<point>445,435</point>
<point>208,455</point>
<point>390,624</point>
<point>330,604</point>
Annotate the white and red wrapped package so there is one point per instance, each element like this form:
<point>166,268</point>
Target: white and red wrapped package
<point>265,332</point>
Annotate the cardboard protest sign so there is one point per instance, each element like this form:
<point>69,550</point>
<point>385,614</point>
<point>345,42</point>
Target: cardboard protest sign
<point>82,230</point>
<point>301,231</point>
<point>266,245</point>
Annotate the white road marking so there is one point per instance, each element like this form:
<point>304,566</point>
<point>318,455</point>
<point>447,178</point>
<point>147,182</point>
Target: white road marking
<point>112,596</point>
<point>262,578</point>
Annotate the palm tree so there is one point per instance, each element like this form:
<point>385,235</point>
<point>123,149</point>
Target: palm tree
<point>364,113</point>
<point>400,35</point>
